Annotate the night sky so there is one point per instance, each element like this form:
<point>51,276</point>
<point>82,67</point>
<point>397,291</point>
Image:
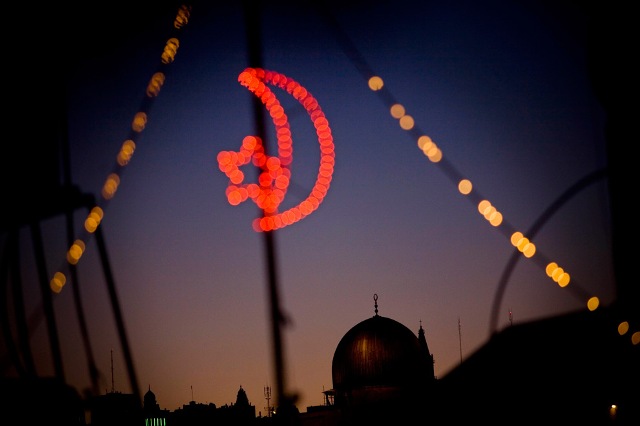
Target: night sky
<point>502,88</point>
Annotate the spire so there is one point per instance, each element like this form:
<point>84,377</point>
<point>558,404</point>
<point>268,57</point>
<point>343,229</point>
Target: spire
<point>422,339</point>
<point>427,356</point>
<point>375,303</point>
<point>241,398</point>
<point>149,400</point>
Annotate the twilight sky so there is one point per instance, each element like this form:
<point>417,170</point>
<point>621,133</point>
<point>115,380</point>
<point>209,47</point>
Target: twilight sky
<point>501,88</point>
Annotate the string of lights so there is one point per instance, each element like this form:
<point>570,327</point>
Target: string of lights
<point>464,185</point>
<point>406,122</point>
<point>124,155</point>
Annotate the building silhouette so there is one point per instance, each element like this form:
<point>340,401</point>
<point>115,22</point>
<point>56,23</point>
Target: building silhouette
<point>382,372</point>
<point>193,414</point>
<point>570,369</point>
<point>115,408</point>
<point>153,414</point>
<point>241,413</point>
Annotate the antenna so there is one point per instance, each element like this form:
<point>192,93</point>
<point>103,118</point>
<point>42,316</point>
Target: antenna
<point>460,339</point>
<point>192,393</point>
<point>267,396</point>
<point>112,386</point>
<point>510,317</point>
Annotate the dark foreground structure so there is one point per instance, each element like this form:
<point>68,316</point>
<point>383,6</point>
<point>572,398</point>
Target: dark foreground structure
<point>572,369</point>
<point>589,377</point>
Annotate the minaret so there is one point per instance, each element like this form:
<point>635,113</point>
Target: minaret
<point>426,355</point>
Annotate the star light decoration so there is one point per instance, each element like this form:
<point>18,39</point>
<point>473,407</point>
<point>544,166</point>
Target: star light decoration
<point>273,180</point>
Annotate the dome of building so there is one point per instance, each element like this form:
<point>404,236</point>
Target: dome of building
<point>241,398</point>
<point>378,351</point>
<point>149,400</point>
<point>379,360</point>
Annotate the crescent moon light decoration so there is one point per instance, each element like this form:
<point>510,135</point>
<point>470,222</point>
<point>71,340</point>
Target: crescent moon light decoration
<point>274,177</point>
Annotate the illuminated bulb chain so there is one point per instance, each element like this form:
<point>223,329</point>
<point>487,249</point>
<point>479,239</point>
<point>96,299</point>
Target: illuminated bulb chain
<point>434,154</point>
<point>397,111</point>
<point>431,150</point>
<point>112,182</point>
<point>528,249</point>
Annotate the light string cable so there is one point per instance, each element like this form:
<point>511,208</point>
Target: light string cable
<point>433,152</point>
<point>125,153</point>
<point>96,214</point>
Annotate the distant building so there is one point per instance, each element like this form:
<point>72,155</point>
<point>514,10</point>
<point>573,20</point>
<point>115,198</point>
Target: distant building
<point>153,414</point>
<point>193,414</point>
<point>239,414</point>
<point>382,374</point>
<point>115,408</point>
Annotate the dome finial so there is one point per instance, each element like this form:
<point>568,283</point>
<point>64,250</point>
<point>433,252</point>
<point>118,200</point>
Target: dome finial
<point>375,302</point>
